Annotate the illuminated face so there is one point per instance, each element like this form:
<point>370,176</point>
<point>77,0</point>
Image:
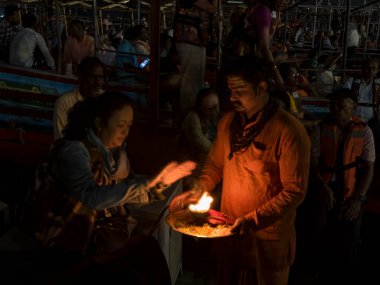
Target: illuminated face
<point>243,95</point>
<point>92,83</point>
<point>116,130</point>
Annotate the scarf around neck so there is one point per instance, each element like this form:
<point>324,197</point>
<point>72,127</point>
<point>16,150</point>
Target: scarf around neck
<point>116,168</point>
<point>242,137</point>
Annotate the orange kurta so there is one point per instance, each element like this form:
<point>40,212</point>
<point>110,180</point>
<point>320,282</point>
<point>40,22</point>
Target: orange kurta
<point>266,183</point>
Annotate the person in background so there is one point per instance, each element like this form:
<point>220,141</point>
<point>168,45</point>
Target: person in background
<point>198,129</point>
<point>191,28</point>
<point>77,46</point>
<point>345,163</point>
<point>324,76</point>
<point>352,41</point>
<point>91,75</point>
<point>367,90</point>
<point>28,47</point>
<point>252,34</point>
<point>89,168</point>
<point>126,58</point>
<point>141,44</point>
<point>106,51</point>
<point>9,26</point>
<point>261,156</point>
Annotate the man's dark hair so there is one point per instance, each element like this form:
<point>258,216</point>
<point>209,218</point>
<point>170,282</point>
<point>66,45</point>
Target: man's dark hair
<point>132,33</point>
<point>29,20</point>
<point>342,93</point>
<point>76,23</point>
<point>250,68</point>
<point>9,10</point>
<point>88,64</point>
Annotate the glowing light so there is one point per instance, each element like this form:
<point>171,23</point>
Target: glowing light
<point>203,204</point>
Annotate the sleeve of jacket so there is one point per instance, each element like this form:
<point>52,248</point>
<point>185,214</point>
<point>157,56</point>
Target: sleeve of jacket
<point>72,169</point>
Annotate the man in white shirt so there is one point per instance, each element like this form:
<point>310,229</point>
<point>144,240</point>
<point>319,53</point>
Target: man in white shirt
<point>91,75</point>
<point>367,88</point>
<point>24,45</point>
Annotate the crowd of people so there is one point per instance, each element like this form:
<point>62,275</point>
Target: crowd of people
<point>289,179</point>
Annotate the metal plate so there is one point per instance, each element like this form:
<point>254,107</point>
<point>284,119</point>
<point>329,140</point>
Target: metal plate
<point>204,230</point>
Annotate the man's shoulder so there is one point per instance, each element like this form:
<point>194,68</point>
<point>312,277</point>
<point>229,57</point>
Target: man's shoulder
<point>68,97</point>
<point>286,122</point>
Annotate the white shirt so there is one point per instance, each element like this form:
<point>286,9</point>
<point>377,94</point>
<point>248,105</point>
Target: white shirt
<point>22,48</point>
<point>61,109</point>
<point>352,36</point>
<point>365,96</point>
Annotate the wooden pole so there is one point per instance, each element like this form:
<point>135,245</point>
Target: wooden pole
<point>347,20</point>
<point>220,34</point>
<point>154,85</point>
<point>58,30</point>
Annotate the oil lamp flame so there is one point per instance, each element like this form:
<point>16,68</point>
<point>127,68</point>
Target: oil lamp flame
<point>203,204</point>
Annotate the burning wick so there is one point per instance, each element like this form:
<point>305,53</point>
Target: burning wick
<point>203,204</point>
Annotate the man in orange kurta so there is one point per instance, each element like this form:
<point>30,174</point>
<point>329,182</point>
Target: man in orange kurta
<point>261,155</point>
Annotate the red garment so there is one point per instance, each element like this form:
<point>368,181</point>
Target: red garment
<point>265,184</point>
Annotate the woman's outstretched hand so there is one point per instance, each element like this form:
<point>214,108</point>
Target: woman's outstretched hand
<point>173,172</point>
<point>182,201</point>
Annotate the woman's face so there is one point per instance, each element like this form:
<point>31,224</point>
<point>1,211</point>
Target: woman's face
<point>210,106</point>
<point>114,133</point>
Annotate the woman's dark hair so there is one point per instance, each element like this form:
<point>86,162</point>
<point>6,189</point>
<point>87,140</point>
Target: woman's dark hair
<point>250,68</point>
<point>81,117</point>
<point>203,93</point>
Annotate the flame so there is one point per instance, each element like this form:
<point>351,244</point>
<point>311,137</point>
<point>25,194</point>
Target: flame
<point>203,204</point>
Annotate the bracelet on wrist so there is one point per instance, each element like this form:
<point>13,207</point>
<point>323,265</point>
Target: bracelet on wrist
<point>157,189</point>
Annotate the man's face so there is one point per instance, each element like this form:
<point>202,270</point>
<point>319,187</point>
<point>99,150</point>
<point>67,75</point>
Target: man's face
<point>370,70</point>
<point>14,19</point>
<point>243,95</point>
<point>342,108</point>
<point>92,83</point>
<point>77,32</point>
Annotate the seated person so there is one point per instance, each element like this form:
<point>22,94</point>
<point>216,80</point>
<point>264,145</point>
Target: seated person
<point>91,77</point>
<point>77,46</point>
<point>127,58</point>
<point>199,128</point>
<point>86,181</point>
<point>290,75</point>
<point>28,47</point>
<point>324,77</point>
<point>106,51</point>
